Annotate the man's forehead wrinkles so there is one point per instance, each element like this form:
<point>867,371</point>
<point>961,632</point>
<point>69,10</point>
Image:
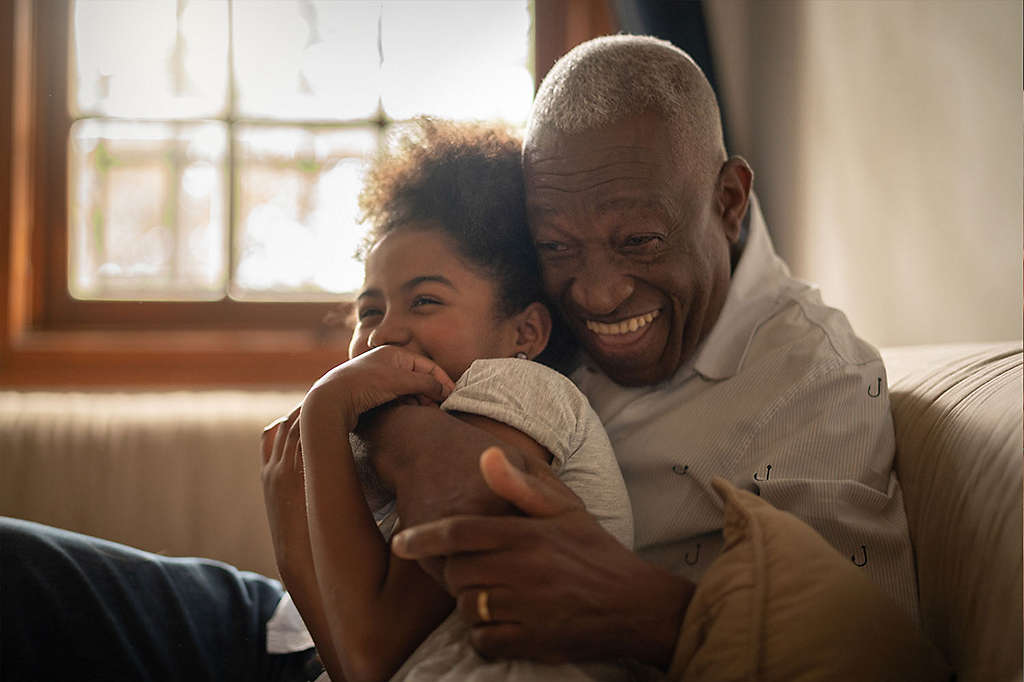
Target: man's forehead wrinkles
<point>568,173</point>
<point>596,156</point>
<point>582,186</point>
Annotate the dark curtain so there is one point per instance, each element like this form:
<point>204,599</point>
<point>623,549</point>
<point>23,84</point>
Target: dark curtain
<point>681,22</point>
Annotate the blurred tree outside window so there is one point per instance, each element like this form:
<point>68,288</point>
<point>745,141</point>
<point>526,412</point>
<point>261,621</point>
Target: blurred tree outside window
<point>217,146</point>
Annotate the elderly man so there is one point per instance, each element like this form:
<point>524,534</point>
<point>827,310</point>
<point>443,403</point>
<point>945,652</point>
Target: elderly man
<point>703,358</point>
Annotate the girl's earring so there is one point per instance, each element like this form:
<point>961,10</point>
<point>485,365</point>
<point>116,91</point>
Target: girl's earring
<point>522,356</point>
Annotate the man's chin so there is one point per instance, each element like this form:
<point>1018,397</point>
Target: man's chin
<point>632,373</point>
<point>632,360</point>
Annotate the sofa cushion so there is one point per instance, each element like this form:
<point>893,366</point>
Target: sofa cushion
<point>780,603</point>
<point>959,442</point>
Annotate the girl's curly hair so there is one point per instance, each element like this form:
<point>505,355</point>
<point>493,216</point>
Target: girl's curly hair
<point>466,180</point>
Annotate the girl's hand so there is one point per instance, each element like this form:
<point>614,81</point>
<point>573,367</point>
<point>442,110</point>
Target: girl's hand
<point>284,496</point>
<point>376,377</point>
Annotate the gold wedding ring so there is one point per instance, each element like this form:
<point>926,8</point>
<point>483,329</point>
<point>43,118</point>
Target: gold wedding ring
<point>481,606</point>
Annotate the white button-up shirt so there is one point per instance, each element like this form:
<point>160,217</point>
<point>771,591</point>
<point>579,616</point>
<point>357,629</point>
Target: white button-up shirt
<point>781,398</point>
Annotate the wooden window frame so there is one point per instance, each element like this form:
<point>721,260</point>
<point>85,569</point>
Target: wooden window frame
<point>49,339</point>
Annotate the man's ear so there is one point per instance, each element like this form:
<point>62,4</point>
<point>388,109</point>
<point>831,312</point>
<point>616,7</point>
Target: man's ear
<point>533,329</point>
<point>732,194</point>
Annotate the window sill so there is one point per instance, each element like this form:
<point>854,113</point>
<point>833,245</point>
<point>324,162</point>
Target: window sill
<point>49,359</point>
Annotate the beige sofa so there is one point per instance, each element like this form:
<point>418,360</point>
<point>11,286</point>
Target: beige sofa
<point>958,412</point>
<point>177,473</point>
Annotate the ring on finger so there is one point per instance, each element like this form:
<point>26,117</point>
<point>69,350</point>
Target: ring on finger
<point>482,608</point>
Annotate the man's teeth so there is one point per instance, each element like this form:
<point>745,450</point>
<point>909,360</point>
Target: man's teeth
<point>624,326</point>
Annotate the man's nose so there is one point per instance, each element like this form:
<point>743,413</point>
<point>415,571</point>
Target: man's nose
<point>391,331</point>
<point>600,287</point>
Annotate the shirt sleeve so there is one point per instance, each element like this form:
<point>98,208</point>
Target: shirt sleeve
<point>547,407</point>
<point>825,452</point>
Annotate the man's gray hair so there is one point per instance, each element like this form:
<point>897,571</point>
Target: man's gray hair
<point>608,79</point>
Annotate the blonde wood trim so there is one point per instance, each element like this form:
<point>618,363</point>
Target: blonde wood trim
<point>7,49</point>
<point>15,147</point>
<point>166,359</point>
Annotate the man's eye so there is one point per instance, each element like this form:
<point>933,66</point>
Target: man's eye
<point>551,247</point>
<point>635,240</point>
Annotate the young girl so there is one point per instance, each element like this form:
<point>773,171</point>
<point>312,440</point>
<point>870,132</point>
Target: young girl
<point>450,313</point>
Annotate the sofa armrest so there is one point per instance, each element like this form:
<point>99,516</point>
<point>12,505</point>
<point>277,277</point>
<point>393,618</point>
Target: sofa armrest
<point>959,445</point>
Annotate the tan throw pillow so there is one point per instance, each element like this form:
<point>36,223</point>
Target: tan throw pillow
<point>780,603</point>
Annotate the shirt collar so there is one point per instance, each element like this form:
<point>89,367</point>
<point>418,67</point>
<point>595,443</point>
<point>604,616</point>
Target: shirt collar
<point>757,282</point>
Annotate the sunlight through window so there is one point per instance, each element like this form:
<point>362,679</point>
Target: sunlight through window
<point>218,147</point>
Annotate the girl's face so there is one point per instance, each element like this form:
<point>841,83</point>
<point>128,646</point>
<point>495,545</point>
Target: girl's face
<point>418,294</point>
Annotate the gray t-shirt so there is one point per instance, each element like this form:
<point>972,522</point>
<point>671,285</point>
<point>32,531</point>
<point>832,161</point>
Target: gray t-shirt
<point>546,406</point>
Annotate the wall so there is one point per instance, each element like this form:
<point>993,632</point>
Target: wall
<point>887,144</point>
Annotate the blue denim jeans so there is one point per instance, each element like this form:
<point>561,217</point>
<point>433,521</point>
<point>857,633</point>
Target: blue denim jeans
<point>73,607</point>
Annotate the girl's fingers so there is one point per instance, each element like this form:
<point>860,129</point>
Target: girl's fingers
<point>418,364</point>
<point>388,373</point>
<point>408,387</point>
<point>426,366</point>
<point>425,385</point>
<point>282,432</point>
<point>292,445</point>
<point>267,439</point>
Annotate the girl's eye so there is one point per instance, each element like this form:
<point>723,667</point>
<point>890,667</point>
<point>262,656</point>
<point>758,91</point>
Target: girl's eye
<point>368,312</point>
<point>421,301</point>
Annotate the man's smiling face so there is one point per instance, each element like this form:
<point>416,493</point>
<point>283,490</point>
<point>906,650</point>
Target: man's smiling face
<point>632,243</point>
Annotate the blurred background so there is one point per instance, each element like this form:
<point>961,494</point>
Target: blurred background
<point>183,173</point>
<point>178,199</point>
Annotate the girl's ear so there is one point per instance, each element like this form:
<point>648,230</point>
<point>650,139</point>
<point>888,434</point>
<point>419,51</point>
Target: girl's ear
<point>533,328</point>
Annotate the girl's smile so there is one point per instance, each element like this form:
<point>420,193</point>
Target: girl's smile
<point>419,294</point>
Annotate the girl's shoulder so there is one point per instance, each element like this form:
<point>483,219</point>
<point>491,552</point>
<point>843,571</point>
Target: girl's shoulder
<point>510,372</point>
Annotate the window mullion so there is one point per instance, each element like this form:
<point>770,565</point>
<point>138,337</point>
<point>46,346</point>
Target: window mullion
<point>231,183</point>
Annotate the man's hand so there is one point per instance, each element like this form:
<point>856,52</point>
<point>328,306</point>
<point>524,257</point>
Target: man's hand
<point>559,587</point>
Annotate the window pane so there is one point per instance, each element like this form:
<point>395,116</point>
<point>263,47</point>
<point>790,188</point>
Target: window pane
<point>147,210</point>
<point>306,60</point>
<point>152,212</point>
<point>155,59</point>
<point>297,193</point>
<point>460,60</point>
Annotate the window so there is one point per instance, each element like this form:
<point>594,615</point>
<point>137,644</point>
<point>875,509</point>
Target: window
<point>150,176</point>
<point>217,146</point>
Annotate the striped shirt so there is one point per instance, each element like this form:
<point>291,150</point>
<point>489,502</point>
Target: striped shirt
<point>782,399</point>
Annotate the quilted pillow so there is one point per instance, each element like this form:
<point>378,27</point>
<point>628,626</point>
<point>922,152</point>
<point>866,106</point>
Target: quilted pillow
<point>780,603</point>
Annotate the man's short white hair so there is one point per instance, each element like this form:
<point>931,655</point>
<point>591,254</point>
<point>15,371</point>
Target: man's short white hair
<point>608,79</point>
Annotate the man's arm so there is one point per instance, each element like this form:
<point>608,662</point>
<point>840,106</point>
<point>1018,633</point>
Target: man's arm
<point>432,456</point>
<point>560,588</point>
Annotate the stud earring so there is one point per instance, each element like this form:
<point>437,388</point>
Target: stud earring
<point>522,356</point>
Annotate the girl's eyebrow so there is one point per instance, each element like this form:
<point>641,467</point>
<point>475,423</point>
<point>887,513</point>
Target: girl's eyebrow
<point>439,279</point>
<point>408,286</point>
<point>368,293</point>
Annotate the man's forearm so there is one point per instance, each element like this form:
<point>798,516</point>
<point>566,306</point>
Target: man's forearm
<point>430,459</point>
<point>665,599</point>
